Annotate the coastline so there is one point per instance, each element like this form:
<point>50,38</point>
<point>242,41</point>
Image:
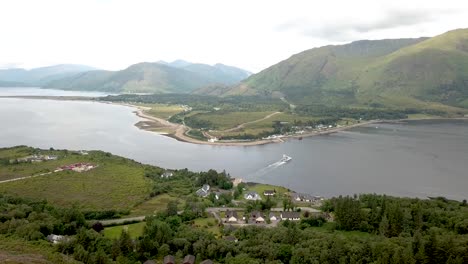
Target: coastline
<point>178,131</point>
<point>181,130</point>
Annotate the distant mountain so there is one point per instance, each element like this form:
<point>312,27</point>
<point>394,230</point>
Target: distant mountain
<point>217,74</point>
<point>160,77</point>
<point>423,72</point>
<point>139,78</point>
<point>40,76</point>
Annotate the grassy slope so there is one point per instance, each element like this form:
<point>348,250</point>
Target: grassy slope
<point>417,73</point>
<point>117,183</point>
<point>18,251</point>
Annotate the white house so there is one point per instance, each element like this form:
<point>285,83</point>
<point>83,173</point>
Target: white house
<point>258,217</point>
<point>167,174</point>
<point>252,196</point>
<point>231,216</point>
<point>55,239</point>
<point>260,220</point>
<point>274,216</point>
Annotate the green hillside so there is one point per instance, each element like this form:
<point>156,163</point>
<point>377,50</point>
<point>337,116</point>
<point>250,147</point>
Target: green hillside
<point>147,78</point>
<point>412,73</point>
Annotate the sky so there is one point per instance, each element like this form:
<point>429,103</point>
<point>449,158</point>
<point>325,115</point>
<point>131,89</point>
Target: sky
<point>254,34</point>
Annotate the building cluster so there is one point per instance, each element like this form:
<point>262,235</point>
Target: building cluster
<point>253,196</point>
<point>304,197</point>
<point>189,259</point>
<point>36,158</point>
<point>78,167</point>
<point>206,190</point>
<point>257,217</point>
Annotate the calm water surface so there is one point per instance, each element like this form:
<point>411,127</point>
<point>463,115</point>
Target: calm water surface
<point>421,159</point>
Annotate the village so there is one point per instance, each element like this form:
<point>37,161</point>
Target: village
<point>299,204</point>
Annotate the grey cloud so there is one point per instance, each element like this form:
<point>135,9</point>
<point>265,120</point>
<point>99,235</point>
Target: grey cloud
<point>344,31</point>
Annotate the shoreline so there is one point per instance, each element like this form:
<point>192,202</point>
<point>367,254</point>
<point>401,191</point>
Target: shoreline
<point>178,131</point>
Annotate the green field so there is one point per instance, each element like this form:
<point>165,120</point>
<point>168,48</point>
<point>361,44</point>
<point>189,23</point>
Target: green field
<point>116,183</point>
<point>208,224</point>
<point>134,230</point>
<point>156,204</point>
<point>223,120</point>
<point>163,111</point>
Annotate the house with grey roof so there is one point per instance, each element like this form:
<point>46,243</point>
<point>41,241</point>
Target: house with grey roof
<point>169,259</point>
<point>231,216</point>
<point>189,259</point>
<point>291,216</point>
<point>203,191</point>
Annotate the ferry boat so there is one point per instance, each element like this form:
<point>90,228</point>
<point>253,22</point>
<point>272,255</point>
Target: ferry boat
<point>285,158</point>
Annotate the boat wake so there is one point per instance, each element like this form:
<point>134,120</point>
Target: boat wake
<point>265,170</point>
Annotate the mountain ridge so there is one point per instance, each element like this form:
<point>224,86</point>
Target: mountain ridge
<point>150,77</point>
<point>388,73</point>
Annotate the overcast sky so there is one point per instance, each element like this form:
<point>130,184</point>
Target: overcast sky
<point>254,34</point>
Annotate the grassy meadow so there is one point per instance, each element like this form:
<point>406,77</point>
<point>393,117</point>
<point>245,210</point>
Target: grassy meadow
<point>134,230</point>
<point>116,183</point>
<point>164,111</point>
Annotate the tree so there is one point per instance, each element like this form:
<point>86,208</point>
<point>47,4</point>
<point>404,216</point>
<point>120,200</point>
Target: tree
<point>98,227</point>
<point>125,243</point>
<point>171,208</point>
<point>383,226</point>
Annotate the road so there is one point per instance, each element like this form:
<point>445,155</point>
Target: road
<point>27,177</point>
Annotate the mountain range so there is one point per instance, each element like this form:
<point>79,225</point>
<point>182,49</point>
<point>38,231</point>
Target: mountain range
<point>161,77</point>
<point>39,76</point>
<point>418,73</point>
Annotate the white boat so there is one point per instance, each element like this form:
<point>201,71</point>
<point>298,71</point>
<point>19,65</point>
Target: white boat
<point>285,158</point>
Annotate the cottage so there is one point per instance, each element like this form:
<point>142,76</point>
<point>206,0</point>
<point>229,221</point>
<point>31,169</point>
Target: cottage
<point>307,198</point>
<point>258,217</point>
<point>253,196</point>
<point>169,259</point>
<point>189,259</point>
<point>203,191</point>
<point>55,239</point>
<point>291,216</point>
<point>269,192</point>
<point>274,216</point>
<point>167,174</point>
<point>231,216</point>
<point>303,197</point>
<point>296,197</point>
